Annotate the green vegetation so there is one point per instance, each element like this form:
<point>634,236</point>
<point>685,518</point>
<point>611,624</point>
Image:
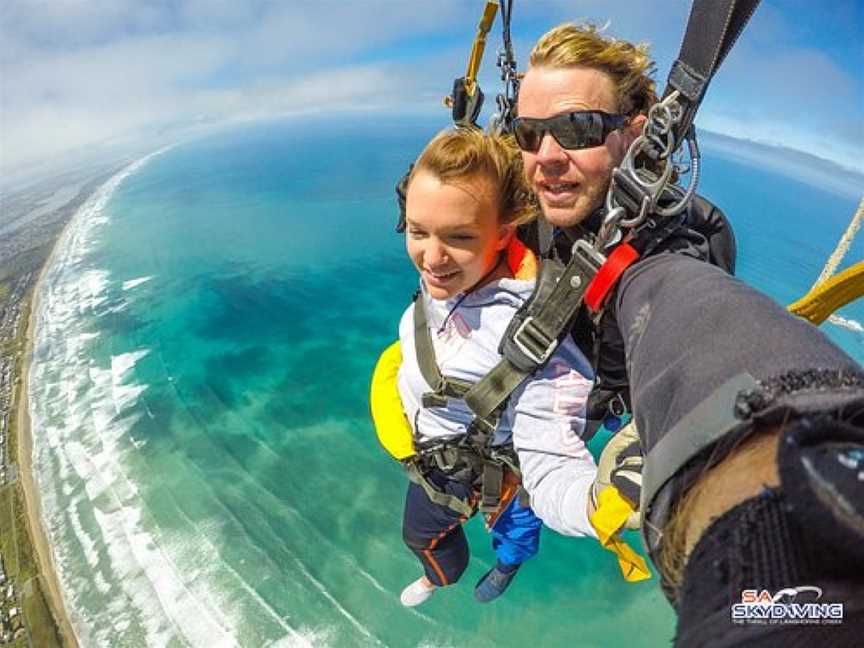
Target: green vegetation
<point>24,250</point>
<point>16,544</point>
<point>8,541</point>
<point>43,630</point>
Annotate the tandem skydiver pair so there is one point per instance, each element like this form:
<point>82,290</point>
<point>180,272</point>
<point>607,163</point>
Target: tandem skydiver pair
<point>708,416</point>
<point>465,199</point>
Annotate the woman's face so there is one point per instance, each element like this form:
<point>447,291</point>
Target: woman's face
<point>453,231</point>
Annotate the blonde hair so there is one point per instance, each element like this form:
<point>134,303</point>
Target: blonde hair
<point>462,153</point>
<point>628,65</point>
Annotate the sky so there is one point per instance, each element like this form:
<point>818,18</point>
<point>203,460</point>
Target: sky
<point>78,75</point>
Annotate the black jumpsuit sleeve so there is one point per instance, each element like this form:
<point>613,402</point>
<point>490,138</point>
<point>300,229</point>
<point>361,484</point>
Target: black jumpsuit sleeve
<point>707,358</point>
<point>689,327</point>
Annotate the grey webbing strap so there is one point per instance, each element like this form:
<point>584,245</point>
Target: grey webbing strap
<point>442,388</point>
<point>492,483</point>
<point>712,29</point>
<point>534,334</point>
<point>547,325</point>
<point>493,390</point>
<point>545,236</point>
<point>423,346</point>
<point>461,506</point>
<point>709,421</point>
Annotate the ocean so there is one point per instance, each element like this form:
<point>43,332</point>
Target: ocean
<point>199,399</point>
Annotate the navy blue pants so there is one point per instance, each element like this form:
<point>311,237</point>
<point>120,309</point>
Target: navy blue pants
<point>434,533</point>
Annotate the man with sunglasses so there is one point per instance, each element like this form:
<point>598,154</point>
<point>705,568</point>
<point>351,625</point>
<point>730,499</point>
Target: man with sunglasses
<point>582,102</point>
<point>768,413</point>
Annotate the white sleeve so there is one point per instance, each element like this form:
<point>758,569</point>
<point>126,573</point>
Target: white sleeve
<point>547,417</point>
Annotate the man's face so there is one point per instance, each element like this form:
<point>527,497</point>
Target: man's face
<point>570,184</point>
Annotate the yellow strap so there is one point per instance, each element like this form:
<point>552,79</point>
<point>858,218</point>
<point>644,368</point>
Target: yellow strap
<point>479,45</point>
<point>609,518</point>
<point>828,296</point>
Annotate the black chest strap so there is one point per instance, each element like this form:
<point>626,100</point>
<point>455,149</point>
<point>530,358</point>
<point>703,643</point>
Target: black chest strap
<point>536,329</point>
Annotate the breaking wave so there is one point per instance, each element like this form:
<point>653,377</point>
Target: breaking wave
<point>83,410</point>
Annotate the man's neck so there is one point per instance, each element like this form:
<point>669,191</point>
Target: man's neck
<point>590,225</point>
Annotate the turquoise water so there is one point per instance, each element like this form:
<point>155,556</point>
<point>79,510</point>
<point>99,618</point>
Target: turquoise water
<point>199,394</point>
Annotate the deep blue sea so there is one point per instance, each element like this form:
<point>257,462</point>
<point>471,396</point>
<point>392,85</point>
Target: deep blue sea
<point>205,337</point>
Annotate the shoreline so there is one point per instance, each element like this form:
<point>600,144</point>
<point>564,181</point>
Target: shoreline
<point>32,501</point>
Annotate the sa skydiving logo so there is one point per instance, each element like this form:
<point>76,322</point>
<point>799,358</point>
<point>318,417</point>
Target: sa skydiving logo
<point>800,604</point>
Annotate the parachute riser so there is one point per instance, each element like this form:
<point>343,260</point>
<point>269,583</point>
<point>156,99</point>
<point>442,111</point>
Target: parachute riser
<point>648,172</point>
<point>502,120</point>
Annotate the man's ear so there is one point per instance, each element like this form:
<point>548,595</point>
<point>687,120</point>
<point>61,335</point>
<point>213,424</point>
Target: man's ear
<point>634,128</point>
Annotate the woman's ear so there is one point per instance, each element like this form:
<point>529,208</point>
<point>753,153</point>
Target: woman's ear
<point>505,235</point>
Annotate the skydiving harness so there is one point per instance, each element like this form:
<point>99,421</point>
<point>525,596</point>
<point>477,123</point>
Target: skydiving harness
<point>472,459</point>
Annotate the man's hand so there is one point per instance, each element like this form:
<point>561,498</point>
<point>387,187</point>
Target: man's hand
<point>620,465</point>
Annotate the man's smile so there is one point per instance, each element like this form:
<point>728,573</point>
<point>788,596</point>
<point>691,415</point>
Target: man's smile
<point>553,192</point>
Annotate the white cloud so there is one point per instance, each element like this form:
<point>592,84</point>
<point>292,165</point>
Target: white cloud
<point>76,73</point>
<point>79,72</point>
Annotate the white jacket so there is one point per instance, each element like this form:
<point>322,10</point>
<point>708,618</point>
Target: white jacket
<point>545,415</point>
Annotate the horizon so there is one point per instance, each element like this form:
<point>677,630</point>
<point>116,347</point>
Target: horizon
<point>804,166</point>
<point>79,76</point>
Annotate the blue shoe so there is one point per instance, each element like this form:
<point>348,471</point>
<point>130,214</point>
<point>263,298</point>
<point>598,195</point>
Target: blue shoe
<point>493,584</point>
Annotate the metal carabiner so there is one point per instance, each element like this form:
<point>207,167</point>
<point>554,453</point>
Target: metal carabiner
<point>695,174</point>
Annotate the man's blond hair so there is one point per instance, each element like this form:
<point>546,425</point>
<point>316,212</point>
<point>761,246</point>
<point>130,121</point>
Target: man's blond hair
<point>628,65</point>
<point>459,154</point>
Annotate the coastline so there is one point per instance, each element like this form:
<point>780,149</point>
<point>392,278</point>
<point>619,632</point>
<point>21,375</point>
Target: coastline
<point>32,502</point>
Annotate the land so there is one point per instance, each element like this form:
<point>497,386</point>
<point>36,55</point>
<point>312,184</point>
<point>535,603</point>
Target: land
<point>32,220</point>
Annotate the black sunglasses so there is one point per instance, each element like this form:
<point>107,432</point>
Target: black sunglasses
<point>574,130</point>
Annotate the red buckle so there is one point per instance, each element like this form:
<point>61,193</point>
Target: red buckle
<point>607,276</point>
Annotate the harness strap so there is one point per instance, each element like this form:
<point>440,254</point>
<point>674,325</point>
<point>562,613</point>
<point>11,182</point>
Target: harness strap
<point>491,485</point>
<point>548,315</point>
<point>536,329</point>
<point>712,29</point>
<point>645,240</point>
<point>461,506</point>
<point>442,387</point>
<point>479,45</point>
<point>604,281</point>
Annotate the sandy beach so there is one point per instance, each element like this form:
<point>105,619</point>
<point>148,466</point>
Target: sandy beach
<point>50,583</point>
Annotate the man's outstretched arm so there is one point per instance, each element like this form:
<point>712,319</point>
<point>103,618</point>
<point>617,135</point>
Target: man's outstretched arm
<point>753,426</point>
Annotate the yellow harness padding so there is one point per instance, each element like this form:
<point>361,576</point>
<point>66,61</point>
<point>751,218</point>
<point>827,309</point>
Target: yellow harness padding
<point>831,294</point>
<point>391,426</point>
<point>611,514</point>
